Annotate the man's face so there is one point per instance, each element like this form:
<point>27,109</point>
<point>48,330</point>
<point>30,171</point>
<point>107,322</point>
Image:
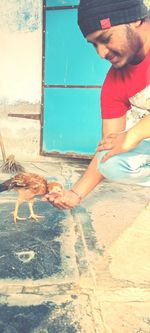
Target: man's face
<point>121,45</point>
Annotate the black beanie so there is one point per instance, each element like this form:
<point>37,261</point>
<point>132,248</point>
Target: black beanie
<point>102,14</point>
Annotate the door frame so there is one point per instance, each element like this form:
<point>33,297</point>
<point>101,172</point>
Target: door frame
<point>42,152</point>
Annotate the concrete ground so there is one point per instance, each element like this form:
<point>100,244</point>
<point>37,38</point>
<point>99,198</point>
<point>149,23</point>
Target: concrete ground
<point>83,270</point>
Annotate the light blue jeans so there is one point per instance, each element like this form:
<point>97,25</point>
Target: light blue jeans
<point>132,167</point>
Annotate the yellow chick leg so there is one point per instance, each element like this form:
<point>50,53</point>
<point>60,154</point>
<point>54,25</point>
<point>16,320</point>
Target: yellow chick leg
<point>33,215</point>
<point>15,213</point>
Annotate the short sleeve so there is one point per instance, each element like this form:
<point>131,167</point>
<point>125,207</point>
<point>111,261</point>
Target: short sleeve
<point>114,100</point>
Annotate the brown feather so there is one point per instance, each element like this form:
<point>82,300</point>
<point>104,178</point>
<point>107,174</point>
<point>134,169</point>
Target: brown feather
<point>30,185</point>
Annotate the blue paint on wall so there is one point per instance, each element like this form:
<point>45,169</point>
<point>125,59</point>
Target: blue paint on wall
<point>26,22</point>
<point>69,59</point>
<point>71,120</point>
<point>24,15</point>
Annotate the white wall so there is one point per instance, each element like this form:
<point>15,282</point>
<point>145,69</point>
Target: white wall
<point>20,73</point>
<point>21,48</point>
<point>20,67</point>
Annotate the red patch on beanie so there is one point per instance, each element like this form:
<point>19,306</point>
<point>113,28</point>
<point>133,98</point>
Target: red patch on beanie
<point>105,23</point>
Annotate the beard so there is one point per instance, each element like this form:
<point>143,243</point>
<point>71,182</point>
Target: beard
<point>135,46</point>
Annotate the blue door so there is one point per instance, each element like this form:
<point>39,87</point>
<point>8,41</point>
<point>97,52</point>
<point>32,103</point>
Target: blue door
<point>73,75</point>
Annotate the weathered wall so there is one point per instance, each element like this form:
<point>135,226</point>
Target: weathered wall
<point>21,70</point>
<point>20,75</point>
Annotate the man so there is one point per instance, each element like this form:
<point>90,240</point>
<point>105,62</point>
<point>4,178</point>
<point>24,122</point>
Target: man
<point>120,32</point>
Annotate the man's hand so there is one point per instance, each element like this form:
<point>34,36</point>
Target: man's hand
<point>66,201</point>
<point>116,144</point>
<point>125,141</point>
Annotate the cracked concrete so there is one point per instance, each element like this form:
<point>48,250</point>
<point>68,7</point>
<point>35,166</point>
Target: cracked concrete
<point>85,270</point>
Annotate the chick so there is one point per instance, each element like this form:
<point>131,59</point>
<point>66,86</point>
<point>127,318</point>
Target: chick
<point>29,185</point>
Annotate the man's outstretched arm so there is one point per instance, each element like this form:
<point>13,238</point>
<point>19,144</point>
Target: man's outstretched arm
<point>91,176</point>
<point>81,189</point>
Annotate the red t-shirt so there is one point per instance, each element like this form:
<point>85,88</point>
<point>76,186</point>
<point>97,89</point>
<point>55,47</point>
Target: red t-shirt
<point>125,89</point>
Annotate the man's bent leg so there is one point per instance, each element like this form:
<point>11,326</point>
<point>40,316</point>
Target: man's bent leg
<point>132,167</point>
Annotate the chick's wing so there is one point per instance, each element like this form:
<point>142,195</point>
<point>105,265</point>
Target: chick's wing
<point>33,182</point>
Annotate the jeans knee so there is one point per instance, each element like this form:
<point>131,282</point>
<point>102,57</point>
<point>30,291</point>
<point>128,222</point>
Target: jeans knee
<point>112,169</point>
<point>132,167</point>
